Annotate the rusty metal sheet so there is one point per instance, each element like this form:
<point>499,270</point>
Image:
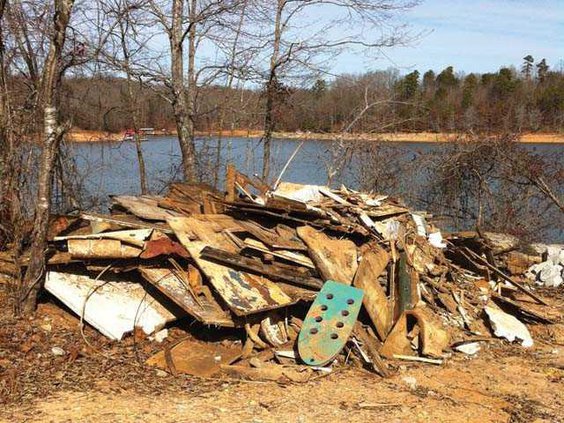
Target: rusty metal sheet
<point>144,206</point>
<point>329,323</point>
<point>196,358</point>
<point>202,309</point>
<point>163,246</point>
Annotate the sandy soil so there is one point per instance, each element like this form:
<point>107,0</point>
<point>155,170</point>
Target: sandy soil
<point>77,135</point>
<point>494,387</point>
<point>108,382</point>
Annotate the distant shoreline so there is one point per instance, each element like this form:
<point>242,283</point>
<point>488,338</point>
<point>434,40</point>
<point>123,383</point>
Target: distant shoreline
<point>80,136</point>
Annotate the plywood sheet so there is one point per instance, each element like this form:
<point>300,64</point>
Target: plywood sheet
<point>145,206</point>
<point>372,265</point>
<point>242,292</point>
<point>336,259</point>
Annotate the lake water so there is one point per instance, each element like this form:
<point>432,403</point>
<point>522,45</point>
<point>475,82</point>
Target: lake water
<point>112,168</point>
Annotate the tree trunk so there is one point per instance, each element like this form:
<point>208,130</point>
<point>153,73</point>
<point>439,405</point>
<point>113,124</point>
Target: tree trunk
<point>33,279</point>
<point>271,88</point>
<point>134,110</point>
<point>191,94</point>
<point>179,101</point>
<point>5,144</point>
<point>228,86</point>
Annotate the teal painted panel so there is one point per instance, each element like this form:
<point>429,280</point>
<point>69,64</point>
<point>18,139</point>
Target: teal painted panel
<point>329,323</point>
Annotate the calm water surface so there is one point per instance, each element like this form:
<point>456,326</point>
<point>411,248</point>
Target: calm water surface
<point>112,168</point>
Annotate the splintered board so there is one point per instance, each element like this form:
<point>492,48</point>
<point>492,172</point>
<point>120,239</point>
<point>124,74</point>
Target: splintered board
<point>144,206</point>
<point>336,259</point>
<point>202,309</point>
<point>242,292</point>
<point>329,323</point>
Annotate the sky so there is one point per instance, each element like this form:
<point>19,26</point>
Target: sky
<point>473,36</point>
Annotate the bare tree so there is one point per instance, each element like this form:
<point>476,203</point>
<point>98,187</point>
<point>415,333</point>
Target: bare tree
<point>53,134</point>
<point>298,45</point>
<point>124,20</point>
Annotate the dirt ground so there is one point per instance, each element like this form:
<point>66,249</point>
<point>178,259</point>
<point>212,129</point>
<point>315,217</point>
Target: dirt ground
<point>107,381</point>
<point>80,135</point>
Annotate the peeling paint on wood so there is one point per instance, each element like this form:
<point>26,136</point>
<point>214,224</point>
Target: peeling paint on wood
<point>166,281</point>
<point>242,292</point>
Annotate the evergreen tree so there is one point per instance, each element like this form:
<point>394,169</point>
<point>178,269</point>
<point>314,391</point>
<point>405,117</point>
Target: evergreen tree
<point>468,89</point>
<point>542,70</point>
<point>527,68</point>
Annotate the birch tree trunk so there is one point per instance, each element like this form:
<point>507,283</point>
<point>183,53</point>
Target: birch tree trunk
<point>179,100</point>
<point>271,87</point>
<point>53,134</point>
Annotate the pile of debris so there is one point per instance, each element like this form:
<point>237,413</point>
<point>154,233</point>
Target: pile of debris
<point>550,272</point>
<point>299,278</point>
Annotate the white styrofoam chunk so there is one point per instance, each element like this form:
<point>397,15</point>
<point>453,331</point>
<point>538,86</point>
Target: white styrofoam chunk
<point>508,327</point>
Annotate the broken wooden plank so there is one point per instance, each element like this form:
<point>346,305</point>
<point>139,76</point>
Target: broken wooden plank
<point>144,206</point>
<point>134,237</point>
<point>271,238</point>
<point>125,221</point>
<point>291,256</point>
<point>433,338</point>
<point>335,259</point>
<point>249,264</point>
<point>504,276</point>
<point>328,193</point>
<point>101,249</point>
<point>372,265</point>
<point>201,308</point>
<point>397,341</point>
<point>242,292</point>
<point>195,229</point>
<point>525,309</point>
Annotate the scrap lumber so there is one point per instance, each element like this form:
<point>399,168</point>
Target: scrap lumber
<point>134,237</point>
<point>433,338</point>
<point>335,259</point>
<point>243,292</point>
<point>397,341</point>
<point>125,221</point>
<point>372,264</point>
<point>144,206</point>
<point>275,272</point>
<point>199,307</point>
<point>101,249</point>
<point>271,238</point>
<point>505,277</point>
<point>290,256</point>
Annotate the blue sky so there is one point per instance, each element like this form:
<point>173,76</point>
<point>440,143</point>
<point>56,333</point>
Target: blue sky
<point>473,36</point>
